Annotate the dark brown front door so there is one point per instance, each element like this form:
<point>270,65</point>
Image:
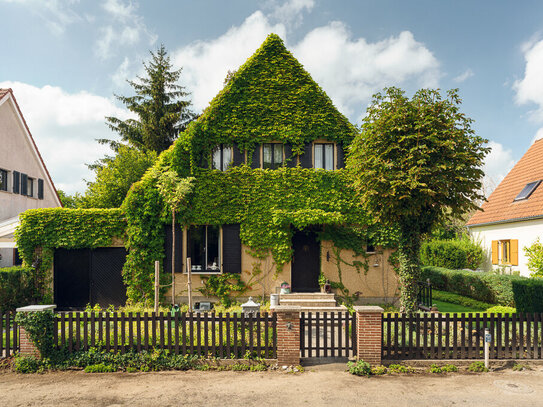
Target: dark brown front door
<point>305,262</point>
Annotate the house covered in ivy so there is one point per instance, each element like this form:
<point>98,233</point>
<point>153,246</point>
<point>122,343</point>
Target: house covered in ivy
<point>271,201</point>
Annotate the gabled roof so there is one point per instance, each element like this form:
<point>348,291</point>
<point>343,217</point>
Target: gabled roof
<point>501,205</point>
<point>272,97</point>
<point>7,94</point>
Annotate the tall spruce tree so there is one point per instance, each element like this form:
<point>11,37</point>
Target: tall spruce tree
<point>160,104</point>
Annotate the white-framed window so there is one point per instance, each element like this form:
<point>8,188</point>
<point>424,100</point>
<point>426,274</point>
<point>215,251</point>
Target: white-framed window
<point>222,157</point>
<point>203,243</point>
<point>324,156</point>
<point>4,177</point>
<point>272,155</point>
<point>30,187</point>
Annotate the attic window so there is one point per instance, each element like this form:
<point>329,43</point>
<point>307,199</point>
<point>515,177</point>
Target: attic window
<point>527,190</point>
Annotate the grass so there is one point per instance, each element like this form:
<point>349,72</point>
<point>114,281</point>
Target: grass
<point>454,308</point>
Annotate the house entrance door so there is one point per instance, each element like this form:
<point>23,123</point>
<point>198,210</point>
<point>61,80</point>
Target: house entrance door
<point>305,262</point>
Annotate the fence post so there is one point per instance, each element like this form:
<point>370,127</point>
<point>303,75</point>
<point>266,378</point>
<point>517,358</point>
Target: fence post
<point>368,333</point>
<point>288,335</point>
<point>26,346</point>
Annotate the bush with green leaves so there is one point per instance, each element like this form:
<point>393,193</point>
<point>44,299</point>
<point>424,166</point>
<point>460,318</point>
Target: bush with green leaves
<point>397,368</point>
<point>528,295</point>
<point>359,368</point>
<point>378,370</point>
<point>17,287</point>
<point>477,367</point>
<point>458,299</point>
<point>534,254</point>
<point>452,254</point>
<point>500,309</point>
<point>28,364</point>
<point>434,368</point>
<point>99,368</point>
<point>40,327</point>
<point>486,287</point>
<point>223,286</point>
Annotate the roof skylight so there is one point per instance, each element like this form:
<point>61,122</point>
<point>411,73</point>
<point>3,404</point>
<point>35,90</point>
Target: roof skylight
<point>527,190</point>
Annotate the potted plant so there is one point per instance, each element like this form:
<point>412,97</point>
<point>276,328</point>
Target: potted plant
<point>324,284</point>
<point>285,288</point>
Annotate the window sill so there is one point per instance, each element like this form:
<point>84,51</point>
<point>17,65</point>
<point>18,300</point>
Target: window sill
<point>204,272</point>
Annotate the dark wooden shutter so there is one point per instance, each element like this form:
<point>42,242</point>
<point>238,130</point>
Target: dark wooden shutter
<point>290,159</point>
<point>168,249</point>
<point>16,182</point>
<point>255,162</point>
<point>40,188</point>
<point>306,159</point>
<point>24,184</point>
<point>239,156</point>
<point>340,156</point>
<point>231,249</point>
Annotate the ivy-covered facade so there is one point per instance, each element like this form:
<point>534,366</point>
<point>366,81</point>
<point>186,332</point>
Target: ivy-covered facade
<point>267,157</point>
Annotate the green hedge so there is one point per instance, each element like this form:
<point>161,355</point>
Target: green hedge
<point>481,286</point>
<point>17,287</point>
<point>458,299</point>
<point>452,254</point>
<point>528,295</point>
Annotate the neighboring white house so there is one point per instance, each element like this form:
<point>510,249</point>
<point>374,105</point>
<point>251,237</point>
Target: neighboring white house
<point>512,218</point>
<point>24,180</point>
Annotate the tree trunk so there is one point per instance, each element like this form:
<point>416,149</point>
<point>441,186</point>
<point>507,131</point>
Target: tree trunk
<point>410,272</point>
<point>173,257</point>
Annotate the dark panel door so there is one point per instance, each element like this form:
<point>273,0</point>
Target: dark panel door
<point>168,249</point>
<point>107,287</point>
<point>71,281</point>
<point>305,262</point>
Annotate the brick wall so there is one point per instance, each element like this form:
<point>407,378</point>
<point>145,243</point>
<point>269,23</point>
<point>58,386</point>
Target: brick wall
<point>368,331</point>
<point>288,335</point>
<point>26,346</point>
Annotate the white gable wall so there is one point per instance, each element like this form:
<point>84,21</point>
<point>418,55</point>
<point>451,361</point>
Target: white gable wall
<point>526,232</point>
<point>17,153</point>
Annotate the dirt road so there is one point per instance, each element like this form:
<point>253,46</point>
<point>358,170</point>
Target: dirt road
<point>312,388</point>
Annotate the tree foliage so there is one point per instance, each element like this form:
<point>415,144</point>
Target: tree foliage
<point>159,104</point>
<point>534,254</point>
<point>415,161</point>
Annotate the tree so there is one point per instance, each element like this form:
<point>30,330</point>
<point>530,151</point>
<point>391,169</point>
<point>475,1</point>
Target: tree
<point>414,162</point>
<point>173,190</point>
<point>114,177</point>
<point>69,201</point>
<point>161,112</point>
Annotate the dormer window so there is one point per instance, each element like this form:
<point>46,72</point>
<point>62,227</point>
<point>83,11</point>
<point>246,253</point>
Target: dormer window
<point>222,157</point>
<point>527,190</point>
<point>272,155</point>
<point>324,156</point>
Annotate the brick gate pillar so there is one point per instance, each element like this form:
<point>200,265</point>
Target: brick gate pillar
<point>288,335</point>
<point>26,346</point>
<point>368,333</point>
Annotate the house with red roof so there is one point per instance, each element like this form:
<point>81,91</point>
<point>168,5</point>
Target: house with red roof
<point>512,218</point>
<point>25,182</point>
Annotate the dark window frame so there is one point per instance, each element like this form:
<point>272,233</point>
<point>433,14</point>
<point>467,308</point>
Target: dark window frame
<point>324,156</point>
<point>273,165</point>
<point>221,149</point>
<point>4,174</point>
<point>205,268</point>
<point>527,190</point>
<point>30,187</point>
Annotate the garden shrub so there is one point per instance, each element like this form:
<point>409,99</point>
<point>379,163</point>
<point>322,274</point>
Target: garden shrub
<point>499,309</point>
<point>359,368</point>
<point>453,254</point>
<point>99,368</point>
<point>40,328</point>
<point>395,368</point>
<point>528,295</point>
<point>442,369</point>
<point>534,254</point>
<point>28,364</point>
<point>459,300</point>
<point>487,287</point>
<point>477,367</point>
<point>378,370</point>
<point>17,287</point>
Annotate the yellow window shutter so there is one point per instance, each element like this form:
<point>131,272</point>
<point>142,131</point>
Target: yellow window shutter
<point>495,250</point>
<point>514,252</point>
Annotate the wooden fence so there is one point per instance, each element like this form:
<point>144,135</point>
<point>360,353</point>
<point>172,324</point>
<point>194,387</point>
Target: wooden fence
<point>204,334</point>
<point>461,336</point>
<point>327,334</point>
<point>9,342</point>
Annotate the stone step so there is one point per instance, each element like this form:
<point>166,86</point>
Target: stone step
<point>309,303</point>
<point>309,296</point>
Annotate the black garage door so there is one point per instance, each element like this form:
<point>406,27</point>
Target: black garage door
<point>85,276</point>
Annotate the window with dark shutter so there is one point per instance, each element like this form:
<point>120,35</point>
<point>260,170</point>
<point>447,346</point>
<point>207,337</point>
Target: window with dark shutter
<point>239,156</point>
<point>255,161</point>
<point>340,156</point>
<point>40,188</point>
<point>306,160</point>
<point>3,180</point>
<point>203,248</point>
<point>24,184</point>
<point>16,182</point>
<point>290,159</point>
<point>168,248</point>
<point>231,249</point>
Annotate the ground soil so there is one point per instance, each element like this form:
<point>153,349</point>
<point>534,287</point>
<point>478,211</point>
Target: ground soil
<point>318,386</point>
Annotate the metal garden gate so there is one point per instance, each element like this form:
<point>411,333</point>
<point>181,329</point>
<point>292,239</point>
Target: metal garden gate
<point>328,335</point>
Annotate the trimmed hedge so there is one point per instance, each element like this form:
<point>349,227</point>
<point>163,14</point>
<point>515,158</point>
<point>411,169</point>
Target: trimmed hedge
<point>458,299</point>
<point>481,286</point>
<point>528,295</point>
<point>17,287</point>
<point>452,254</point>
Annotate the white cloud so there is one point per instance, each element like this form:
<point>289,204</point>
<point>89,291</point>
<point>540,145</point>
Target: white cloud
<point>349,69</point>
<point>290,12</point>
<point>468,73</point>
<point>57,14</point>
<point>530,88</point>
<point>538,135</point>
<point>497,164</point>
<point>125,28</point>
<point>65,126</point>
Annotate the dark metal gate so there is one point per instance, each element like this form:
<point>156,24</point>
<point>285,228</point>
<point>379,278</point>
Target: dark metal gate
<point>327,334</point>
<point>85,276</point>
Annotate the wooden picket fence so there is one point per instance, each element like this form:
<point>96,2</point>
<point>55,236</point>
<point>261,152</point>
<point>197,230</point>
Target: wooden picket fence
<point>9,342</point>
<point>203,334</point>
<point>461,336</point>
<point>327,334</point>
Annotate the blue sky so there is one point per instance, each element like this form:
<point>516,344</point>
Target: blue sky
<point>66,58</point>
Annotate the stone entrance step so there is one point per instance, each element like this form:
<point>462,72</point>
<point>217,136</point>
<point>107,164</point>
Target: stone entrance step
<point>311,301</point>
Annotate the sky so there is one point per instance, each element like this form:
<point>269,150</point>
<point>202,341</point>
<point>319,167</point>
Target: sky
<point>66,59</point>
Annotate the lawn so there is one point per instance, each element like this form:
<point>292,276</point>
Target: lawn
<point>453,308</point>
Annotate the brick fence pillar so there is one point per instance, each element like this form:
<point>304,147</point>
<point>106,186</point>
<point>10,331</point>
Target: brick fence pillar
<point>288,335</point>
<point>368,333</point>
<point>26,346</point>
